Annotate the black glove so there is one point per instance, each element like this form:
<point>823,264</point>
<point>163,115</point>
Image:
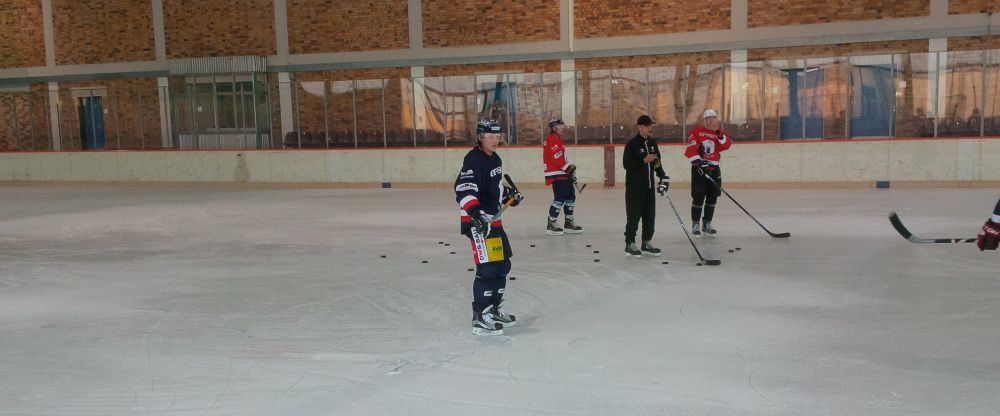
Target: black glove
<point>700,163</point>
<point>663,186</point>
<point>570,169</point>
<point>990,238</point>
<point>481,220</point>
<point>511,196</point>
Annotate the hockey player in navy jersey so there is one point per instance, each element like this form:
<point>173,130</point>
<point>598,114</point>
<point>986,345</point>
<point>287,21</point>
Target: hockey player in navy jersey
<point>990,238</point>
<point>482,196</point>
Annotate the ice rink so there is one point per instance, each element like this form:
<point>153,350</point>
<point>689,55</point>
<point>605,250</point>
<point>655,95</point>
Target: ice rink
<point>255,301</point>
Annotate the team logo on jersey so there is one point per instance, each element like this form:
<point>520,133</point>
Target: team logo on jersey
<point>495,171</point>
<point>466,174</point>
<point>558,155</point>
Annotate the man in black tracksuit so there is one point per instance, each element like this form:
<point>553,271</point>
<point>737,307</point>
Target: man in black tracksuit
<point>641,159</point>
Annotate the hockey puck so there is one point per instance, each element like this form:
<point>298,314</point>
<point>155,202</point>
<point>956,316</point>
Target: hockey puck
<point>737,249</point>
<point>447,245</point>
<point>697,264</point>
<point>451,252</point>
<point>666,262</point>
<point>532,245</point>
<point>423,261</point>
<point>440,242</point>
<point>470,270</point>
<point>597,251</point>
<point>597,260</point>
<point>732,251</point>
<point>382,256</point>
<point>588,245</point>
<point>513,278</point>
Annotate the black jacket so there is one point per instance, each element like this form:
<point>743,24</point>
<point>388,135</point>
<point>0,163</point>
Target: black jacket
<point>639,175</point>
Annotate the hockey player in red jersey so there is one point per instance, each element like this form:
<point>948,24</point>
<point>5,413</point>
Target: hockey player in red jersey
<point>990,238</point>
<point>704,145</point>
<point>561,175</point>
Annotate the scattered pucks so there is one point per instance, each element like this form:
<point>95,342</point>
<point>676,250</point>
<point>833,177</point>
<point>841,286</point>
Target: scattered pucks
<point>597,251</point>
<point>588,245</point>
<point>447,245</point>
<point>451,252</point>
<point>666,262</point>
<point>423,261</point>
<point>597,260</point>
<point>737,249</point>
<point>382,256</point>
<point>732,251</point>
<point>532,245</point>
<point>440,242</point>
<point>513,278</point>
<point>698,264</point>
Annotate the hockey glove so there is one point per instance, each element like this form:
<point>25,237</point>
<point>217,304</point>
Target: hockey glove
<point>663,186</point>
<point>511,196</point>
<point>570,169</point>
<point>990,237</point>
<point>481,220</point>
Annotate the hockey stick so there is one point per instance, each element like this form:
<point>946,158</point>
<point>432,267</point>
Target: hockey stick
<point>775,235</point>
<point>579,189</point>
<point>511,201</point>
<point>709,262</point>
<point>898,225</point>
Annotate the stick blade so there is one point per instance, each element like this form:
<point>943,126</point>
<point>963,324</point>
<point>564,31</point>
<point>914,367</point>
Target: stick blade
<point>898,225</point>
<point>781,235</point>
<point>712,262</point>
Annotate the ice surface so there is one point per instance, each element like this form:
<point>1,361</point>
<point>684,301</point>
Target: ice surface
<point>240,301</point>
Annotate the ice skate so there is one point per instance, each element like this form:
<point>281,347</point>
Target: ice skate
<point>501,316</point>
<point>553,229</point>
<point>570,227</point>
<point>709,230</point>
<point>696,229</point>
<point>484,324</point>
<point>649,250</point>
<point>632,251</point>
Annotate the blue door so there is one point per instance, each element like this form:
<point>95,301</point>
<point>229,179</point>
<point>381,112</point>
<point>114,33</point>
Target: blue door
<point>91,123</point>
<point>872,98</point>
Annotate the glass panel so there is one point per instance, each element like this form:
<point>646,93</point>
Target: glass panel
<point>463,109</point>
<point>782,115</point>
<point>873,96</point>
<point>629,95</point>
<point>429,101</point>
<point>960,93</point>
<point>825,98</point>
<point>340,112</point>
<point>8,124</point>
<point>666,85</point>
<point>557,102</point>
<point>526,107</point>
<point>743,117</point>
<point>492,100</point>
<point>399,112</point>
<point>992,108</point>
<point>706,85</point>
<point>311,117</point>
<point>593,103</point>
<point>915,95</point>
<point>368,103</point>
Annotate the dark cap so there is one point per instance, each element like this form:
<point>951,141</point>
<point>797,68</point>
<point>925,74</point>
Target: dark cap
<point>644,120</point>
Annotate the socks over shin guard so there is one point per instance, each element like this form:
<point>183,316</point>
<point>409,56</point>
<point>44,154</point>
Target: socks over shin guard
<point>709,212</point>
<point>568,208</point>
<point>554,210</point>
<point>696,213</point>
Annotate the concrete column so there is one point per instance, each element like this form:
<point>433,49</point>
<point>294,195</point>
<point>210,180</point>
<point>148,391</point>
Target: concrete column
<point>738,15</point>
<point>939,8</point>
<point>285,102</point>
<point>566,24</point>
<point>281,30</point>
<point>159,32</point>
<point>166,124</point>
<point>415,18</point>
<point>419,102</point>
<point>54,116</point>
<point>48,33</point>
<point>737,91</point>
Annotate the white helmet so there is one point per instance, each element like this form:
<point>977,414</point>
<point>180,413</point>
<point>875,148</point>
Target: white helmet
<point>710,113</point>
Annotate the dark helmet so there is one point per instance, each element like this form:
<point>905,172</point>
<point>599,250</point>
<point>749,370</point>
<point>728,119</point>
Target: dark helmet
<point>488,125</point>
<point>556,122</point>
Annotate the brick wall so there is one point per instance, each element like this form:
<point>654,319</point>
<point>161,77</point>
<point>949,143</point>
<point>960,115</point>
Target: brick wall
<point>219,28</point>
<point>839,49</point>
<point>643,61</point>
<point>973,43</point>
<point>24,120</point>
<point>316,27</point>
<point>102,31</point>
<point>474,22</point>
<point>22,42</point>
<point>762,13</point>
<point>498,67</point>
<point>973,6</point>
<point>603,18</point>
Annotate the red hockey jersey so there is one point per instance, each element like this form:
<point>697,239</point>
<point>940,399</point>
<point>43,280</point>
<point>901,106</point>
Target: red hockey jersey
<point>554,156</point>
<point>705,144</point>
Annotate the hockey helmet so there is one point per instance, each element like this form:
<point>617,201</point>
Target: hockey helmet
<point>556,122</point>
<point>488,125</point>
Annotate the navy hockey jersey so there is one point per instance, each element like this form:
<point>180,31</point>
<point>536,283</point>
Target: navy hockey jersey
<point>479,183</point>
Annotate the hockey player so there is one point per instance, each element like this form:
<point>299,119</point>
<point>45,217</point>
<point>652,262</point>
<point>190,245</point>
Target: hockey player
<point>641,159</point>
<point>704,145</point>
<point>990,237</point>
<point>561,175</point>
<point>481,196</point>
